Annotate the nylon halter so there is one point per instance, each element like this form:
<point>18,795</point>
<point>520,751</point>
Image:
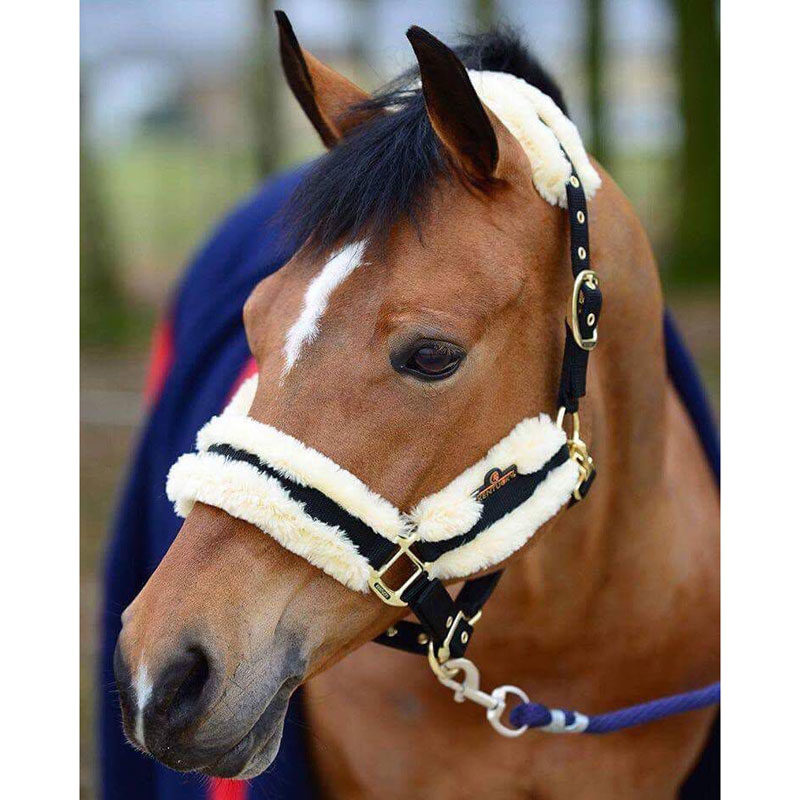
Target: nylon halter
<point>329,517</point>
<point>313,506</point>
<point>445,626</point>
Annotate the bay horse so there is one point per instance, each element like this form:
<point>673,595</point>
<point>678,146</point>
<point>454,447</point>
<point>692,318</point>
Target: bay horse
<point>404,363</point>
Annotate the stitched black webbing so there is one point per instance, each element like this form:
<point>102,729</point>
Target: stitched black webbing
<point>495,507</point>
<point>572,385</point>
<point>573,373</point>
<point>406,636</point>
<point>578,231</point>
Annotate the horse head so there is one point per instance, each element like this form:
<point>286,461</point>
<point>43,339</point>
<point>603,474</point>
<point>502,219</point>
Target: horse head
<point>420,319</point>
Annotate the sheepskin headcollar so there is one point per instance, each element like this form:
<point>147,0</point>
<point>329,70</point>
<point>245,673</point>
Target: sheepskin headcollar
<point>544,131</point>
<point>318,510</point>
<point>325,514</point>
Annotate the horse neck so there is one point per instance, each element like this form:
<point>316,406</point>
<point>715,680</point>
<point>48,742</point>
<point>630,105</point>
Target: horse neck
<point>585,569</point>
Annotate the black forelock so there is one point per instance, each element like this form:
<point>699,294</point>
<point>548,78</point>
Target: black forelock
<point>382,171</point>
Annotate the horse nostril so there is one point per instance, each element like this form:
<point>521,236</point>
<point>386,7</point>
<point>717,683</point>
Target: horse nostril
<point>179,695</point>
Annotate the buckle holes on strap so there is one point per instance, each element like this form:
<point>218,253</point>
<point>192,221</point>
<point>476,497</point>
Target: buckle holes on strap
<point>464,637</point>
<point>574,181</point>
<point>590,319</point>
<point>423,638</point>
<point>581,217</point>
<point>581,253</point>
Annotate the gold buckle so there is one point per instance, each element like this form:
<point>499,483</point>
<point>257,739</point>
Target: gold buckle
<point>578,451</point>
<point>587,277</point>
<point>444,651</point>
<point>393,597</point>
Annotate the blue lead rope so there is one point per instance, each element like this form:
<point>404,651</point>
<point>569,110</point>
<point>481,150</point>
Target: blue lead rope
<point>535,715</point>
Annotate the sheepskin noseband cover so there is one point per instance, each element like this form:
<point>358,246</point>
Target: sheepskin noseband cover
<point>270,479</point>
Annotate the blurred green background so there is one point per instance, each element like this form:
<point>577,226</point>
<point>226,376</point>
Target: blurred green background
<point>184,110</point>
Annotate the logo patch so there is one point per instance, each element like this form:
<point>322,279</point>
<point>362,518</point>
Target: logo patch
<point>494,479</point>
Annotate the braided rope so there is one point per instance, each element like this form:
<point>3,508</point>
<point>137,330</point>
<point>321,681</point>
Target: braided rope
<point>536,715</point>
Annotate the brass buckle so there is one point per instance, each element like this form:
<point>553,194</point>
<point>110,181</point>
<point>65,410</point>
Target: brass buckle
<point>444,651</point>
<point>578,451</point>
<point>393,597</point>
<point>587,277</point>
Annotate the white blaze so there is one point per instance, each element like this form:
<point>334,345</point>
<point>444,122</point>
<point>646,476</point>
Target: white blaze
<point>306,326</point>
<point>143,688</point>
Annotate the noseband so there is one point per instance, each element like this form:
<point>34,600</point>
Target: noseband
<point>328,516</point>
<point>325,514</point>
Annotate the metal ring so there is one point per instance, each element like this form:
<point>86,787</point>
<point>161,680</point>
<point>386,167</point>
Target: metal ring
<point>494,715</point>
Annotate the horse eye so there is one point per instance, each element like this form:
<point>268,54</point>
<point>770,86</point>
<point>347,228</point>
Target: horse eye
<point>434,360</point>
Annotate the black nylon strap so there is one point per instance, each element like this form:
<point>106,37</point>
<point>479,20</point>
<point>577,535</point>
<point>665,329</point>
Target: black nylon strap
<point>412,637</point>
<point>495,507</point>
<point>578,225</point>
<point>573,373</point>
<point>433,607</point>
<point>475,592</point>
<point>572,385</point>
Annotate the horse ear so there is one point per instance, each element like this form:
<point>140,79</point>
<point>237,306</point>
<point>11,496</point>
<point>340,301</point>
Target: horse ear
<point>456,113</point>
<point>327,97</point>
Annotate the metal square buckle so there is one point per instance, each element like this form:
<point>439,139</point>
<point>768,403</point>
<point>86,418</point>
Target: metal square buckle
<point>393,597</point>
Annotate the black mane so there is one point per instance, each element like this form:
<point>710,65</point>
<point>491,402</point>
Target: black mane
<point>380,173</point>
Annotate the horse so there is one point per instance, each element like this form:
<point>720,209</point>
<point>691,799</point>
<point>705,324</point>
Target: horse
<point>420,318</point>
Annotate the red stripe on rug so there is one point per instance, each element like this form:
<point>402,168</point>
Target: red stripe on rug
<point>225,789</point>
<point>250,369</point>
<point>162,354</point>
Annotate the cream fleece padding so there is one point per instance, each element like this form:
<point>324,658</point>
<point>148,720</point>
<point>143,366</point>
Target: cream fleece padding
<point>542,129</point>
<point>512,531</point>
<point>241,490</point>
<point>241,402</point>
<point>447,513</point>
<point>306,466</point>
<point>454,509</point>
<point>245,493</point>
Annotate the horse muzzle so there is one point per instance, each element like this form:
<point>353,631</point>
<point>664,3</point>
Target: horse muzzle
<point>182,707</point>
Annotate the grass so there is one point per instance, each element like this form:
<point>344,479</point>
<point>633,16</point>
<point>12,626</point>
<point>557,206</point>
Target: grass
<point>167,193</point>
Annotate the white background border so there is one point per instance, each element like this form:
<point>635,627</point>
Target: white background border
<point>39,331</point>
<point>760,399</point>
